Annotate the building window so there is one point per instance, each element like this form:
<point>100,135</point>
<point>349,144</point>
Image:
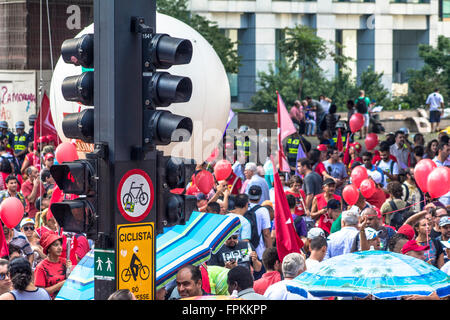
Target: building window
<point>444,10</point>
<point>232,34</point>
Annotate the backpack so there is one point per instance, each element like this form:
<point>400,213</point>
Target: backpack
<point>250,215</point>
<point>399,217</point>
<point>361,106</point>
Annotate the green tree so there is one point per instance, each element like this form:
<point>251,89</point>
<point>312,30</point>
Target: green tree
<point>303,50</point>
<point>370,82</point>
<point>285,81</point>
<point>434,74</point>
<point>223,46</point>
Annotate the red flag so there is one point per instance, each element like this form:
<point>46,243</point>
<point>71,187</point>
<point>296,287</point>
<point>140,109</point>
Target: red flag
<point>44,125</point>
<point>4,251</point>
<point>287,238</point>
<point>339,144</point>
<point>346,158</point>
<point>285,128</point>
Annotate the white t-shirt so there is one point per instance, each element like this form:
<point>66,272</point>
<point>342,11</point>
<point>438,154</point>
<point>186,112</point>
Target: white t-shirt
<point>310,263</point>
<point>263,222</point>
<point>446,268</point>
<point>245,231</point>
<point>434,100</point>
<point>386,167</point>
<point>278,291</point>
<point>325,105</point>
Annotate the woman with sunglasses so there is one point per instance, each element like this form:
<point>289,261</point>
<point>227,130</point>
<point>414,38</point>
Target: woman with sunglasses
<point>27,227</point>
<point>21,276</point>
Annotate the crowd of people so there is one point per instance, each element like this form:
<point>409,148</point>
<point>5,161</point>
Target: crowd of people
<point>398,217</point>
<point>37,256</point>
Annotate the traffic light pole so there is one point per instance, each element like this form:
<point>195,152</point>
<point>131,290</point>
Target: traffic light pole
<point>118,121</point>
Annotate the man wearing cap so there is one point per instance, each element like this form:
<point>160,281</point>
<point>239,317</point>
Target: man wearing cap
<point>312,234</point>
<point>236,252</point>
<point>320,211</point>
<point>341,242</point>
<point>444,226</point>
<point>262,220</point>
<point>253,178</point>
<point>292,266</point>
<point>20,143</point>
<point>413,249</point>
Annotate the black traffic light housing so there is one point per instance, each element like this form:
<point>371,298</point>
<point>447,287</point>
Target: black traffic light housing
<point>160,89</point>
<point>80,88</point>
<point>79,178</point>
<point>174,208</point>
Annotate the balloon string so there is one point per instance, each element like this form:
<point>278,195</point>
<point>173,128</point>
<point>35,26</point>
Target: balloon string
<point>405,207</point>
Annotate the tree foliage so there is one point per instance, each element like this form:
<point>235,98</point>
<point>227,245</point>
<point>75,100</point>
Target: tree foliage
<point>434,74</point>
<point>223,46</point>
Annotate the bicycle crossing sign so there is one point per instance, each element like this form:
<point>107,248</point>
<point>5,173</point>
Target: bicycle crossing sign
<point>135,195</point>
<point>135,259</point>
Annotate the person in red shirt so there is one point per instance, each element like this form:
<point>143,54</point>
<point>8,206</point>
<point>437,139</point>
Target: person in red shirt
<point>319,208</point>
<point>31,159</point>
<point>272,264</point>
<point>234,183</point>
<point>317,157</point>
<point>32,189</point>
<point>51,273</point>
<point>295,184</point>
<point>354,150</point>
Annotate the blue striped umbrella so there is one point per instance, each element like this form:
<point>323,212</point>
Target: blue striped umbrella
<point>381,274</point>
<point>80,283</point>
<point>193,243</point>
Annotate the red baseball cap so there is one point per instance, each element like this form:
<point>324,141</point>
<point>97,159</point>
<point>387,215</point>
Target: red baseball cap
<point>48,156</point>
<point>412,245</point>
<point>407,230</point>
<point>356,146</point>
<point>322,147</point>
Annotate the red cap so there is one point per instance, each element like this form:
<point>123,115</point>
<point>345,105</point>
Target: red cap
<point>412,245</point>
<point>47,240</point>
<point>48,156</point>
<point>407,230</point>
<point>356,146</point>
<point>50,137</point>
<point>42,139</point>
<point>322,147</point>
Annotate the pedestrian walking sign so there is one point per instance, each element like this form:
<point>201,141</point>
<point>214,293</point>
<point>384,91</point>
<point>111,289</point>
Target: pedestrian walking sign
<point>136,259</point>
<point>104,264</point>
<point>135,195</point>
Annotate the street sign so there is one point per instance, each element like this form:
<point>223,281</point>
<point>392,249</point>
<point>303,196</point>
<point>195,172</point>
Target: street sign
<point>104,264</point>
<point>136,259</point>
<point>135,195</point>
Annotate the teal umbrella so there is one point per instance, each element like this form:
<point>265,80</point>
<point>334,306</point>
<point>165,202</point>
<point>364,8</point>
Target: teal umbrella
<point>381,274</point>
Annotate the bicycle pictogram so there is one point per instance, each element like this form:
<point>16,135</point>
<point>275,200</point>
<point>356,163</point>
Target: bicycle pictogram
<point>129,199</point>
<point>136,269</point>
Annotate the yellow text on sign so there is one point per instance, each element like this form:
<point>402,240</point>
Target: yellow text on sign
<point>135,259</point>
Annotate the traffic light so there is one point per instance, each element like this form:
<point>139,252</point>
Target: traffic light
<point>160,89</point>
<point>80,88</point>
<point>174,207</point>
<point>79,214</point>
<point>77,178</point>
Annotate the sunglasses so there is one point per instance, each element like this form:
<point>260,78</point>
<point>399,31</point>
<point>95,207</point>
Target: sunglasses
<point>28,228</point>
<point>3,276</point>
<point>233,237</point>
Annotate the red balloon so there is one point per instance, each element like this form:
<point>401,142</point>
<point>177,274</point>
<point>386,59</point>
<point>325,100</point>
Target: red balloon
<point>192,190</point>
<point>204,181</point>
<point>11,212</point>
<point>66,152</point>
<point>371,141</point>
<point>438,182</point>
<point>222,170</point>
<point>367,188</point>
<point>350,194</point>
<point>421,172</point>
<point>358,175</point>
<point>356,122</point>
